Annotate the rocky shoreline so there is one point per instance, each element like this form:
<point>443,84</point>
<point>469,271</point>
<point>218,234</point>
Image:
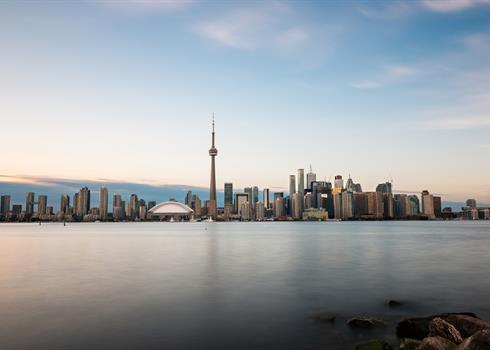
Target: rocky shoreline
<point>447,331</point>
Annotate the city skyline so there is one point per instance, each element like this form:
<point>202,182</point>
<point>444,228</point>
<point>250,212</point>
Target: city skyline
<point>400,92</point>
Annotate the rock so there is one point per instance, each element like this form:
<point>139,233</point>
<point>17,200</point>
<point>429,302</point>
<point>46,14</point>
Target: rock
<point>478,341</point>
<point>394,303</point>
<point>374,345</point>
<point>436,343</point>
<point>418,328</point>
<point>328,317</point>
<point>467,325</point>
<point>360,322</point>
<point>409,344</point>
<point>441,328</point>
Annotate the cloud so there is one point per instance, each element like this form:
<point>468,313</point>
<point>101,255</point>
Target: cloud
<point>148,5</point>
<point>446,6</point>
<point>386,11</point>
<point>389,75</point>
<point>459,123</point>
<point>293,38</point>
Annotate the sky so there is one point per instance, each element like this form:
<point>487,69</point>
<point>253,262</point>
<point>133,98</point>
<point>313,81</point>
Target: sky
<point>124,91</point>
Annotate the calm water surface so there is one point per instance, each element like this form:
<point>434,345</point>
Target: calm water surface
<point>231,285</point>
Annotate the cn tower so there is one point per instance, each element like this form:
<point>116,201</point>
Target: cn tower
<point>213,152</point>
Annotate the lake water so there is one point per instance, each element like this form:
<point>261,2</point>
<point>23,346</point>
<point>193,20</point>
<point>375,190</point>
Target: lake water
<point>231,285</point>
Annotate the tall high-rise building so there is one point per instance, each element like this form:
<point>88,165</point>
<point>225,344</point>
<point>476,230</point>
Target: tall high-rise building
<point>266,198</point>
<point>414,205</point>
<point>42,204</point>
<point>213,152</point>
<point>259,211</point>
<point>103,203</point>
<point>151,204</point>
<point>249,192</point>
<point>279,210</point>
<point>132,210</point>
<point>255,196</point>
<point>437,206</point>
<point>292,185</point>
<point>337,205</point>
<point>471,203</point>
<point>301,181</point>
<point>188,198</point>
<point>64,203</point>
<point>30,203</point>
<point>427,204</point>
<point>240,198</point>
<point>83,205</point>
<point>310,177</point>
<point>384,187</point>
<point>76,203</point>
<point>338,183</point>
<point>347,205</point>
<point>5,204</point>
<point>401,206</point>
<point>297,206</point>
<point>228,194</point>
<point>17,209</point>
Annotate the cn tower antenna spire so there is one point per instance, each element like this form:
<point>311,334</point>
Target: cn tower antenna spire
<point>213,152</point>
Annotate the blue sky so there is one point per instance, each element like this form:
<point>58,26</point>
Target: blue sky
<point>125,91</point>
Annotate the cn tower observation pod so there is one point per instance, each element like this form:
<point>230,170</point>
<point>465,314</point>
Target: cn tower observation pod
<point>171,210</point>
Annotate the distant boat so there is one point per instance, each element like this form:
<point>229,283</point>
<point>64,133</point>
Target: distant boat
<point>210,219</point>
<point>172,219</point>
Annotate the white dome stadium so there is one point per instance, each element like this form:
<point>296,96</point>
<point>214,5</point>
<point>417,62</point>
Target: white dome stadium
<point>170,208</point>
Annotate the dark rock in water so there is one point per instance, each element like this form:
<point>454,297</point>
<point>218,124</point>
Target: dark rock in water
<point>467,325</point>
<point>360,322</point>
<point>374,345</point>
<point>441,328</point>
<point>478,341</point>
<point>395,303</point>
<point>328,317</point>
<point>418,328</point>
<point>436,343</point>
<point>409,344</point>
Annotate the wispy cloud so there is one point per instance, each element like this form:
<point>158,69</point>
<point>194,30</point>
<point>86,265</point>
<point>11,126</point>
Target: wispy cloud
<point>457,123</point>
<point>387,11</point>
<point>446,6</point>
<point>389,75</point>
<point>151,6</point>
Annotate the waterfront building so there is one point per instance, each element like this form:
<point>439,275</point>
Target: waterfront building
<point>484,214</point>
<point>369,205</point>
<point>245,211</point>
<point>315,214</point>
<point>118,213</point>
<point>5,204</point>
<point>151,204</point>
<point>471,203</point>
<point>347,205</point>
<point>427,204</point>
<point>357,187</point>
<point>132,209</point>
<point>349,185</point>
<point>142,211</point>
<point>307,201</point>
<point>116,201</point>
<point>259,211</point>
<point>310,177</point>
<point>266,199</point>
<point>338,183</point>
<point>240,198</point>
<point>171,210</point>
<point>388,205</point>
<point>64,203</point>
<point>228,194</point>
<point>301,181</point>
<point>437,206</point>
<point>249,192</point>
<point>384,187</point>
<point>42,203</point>
<point>49,210</point>
<point>337,205</point>
<point>83,202</point>
<point>103,203</point>
<point>188,198</point>
<point>30,203</point>
<point>279,210</point>
<point>17,209</point>
<point>319,188</point>
<point>414,205</point>
<point>213,152</point>
<point>292,185</point>
<point>401,206</point>
<point>297,206</point>
<point>255,196</point>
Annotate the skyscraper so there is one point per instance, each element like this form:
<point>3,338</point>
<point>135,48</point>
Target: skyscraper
<point>301,181</point>
<point>213,152</point>
<point>310,177</point>
<point>83,205</point>
<point>5,204</point>
<point>188,198</point>
<point>427,204</point>
<point>30,203</point>
<point>255,196</point>
<point>133,209</point>
<point>266,198</point>
<point>228,194</point>
<point>103,203</point>
<point>42,203</point>
<point>240,198</point>
<point>64,203</point>
<point>292,185</point>
<point>339,183</point>
<point>471,203</point>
